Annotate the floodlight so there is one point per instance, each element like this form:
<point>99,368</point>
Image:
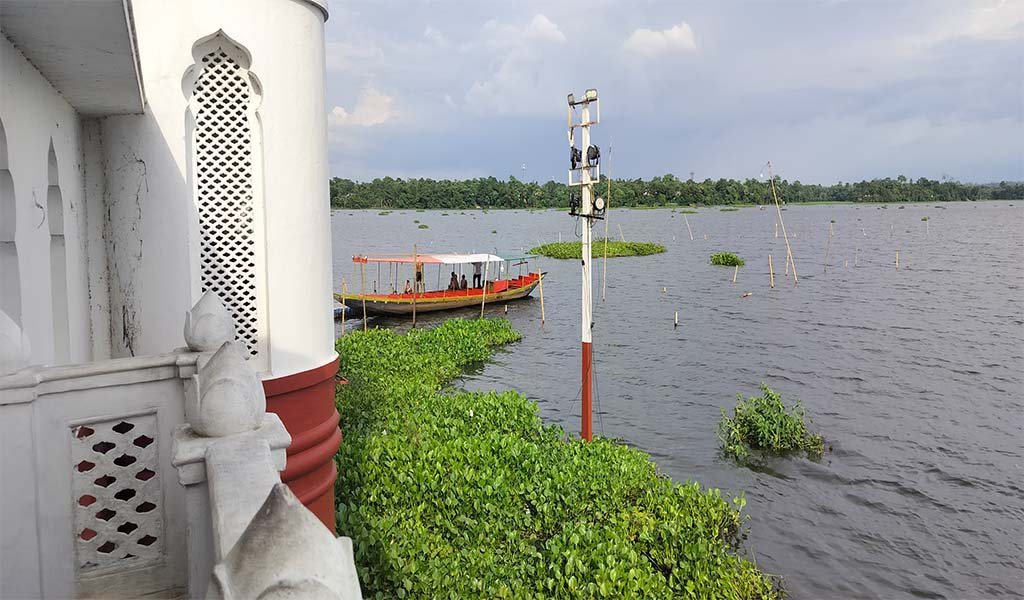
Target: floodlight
<point>591,94</point>
<point>599,204</point>
<point>572,99</point>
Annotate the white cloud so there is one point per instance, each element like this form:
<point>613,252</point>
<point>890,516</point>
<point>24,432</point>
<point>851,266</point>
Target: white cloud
<point>542,28</point>
<point>435,36</point>
<point>373,107</point>
<point>648,43</point>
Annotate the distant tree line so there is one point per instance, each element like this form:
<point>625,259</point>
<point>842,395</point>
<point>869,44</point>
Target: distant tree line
<point>667,190</point>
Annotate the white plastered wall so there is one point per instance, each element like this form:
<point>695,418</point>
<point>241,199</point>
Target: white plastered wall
<point>33,114</point>
<point>151,202</point>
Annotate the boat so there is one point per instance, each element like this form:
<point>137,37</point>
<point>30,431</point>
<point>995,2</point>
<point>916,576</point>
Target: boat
<point>387,297</point>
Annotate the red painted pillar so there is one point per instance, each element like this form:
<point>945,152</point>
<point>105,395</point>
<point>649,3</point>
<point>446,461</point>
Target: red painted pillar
<point>305,403</point>
<point>587,428</point>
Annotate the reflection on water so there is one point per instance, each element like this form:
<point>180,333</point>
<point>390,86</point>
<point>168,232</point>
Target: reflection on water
<point>915,377</point>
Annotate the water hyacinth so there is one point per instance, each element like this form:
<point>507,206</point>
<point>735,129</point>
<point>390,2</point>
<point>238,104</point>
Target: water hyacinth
<point>764,423</point>
<point>615,249</point>
<point>471,495</point>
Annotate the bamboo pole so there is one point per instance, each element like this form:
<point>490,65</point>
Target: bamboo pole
<point>344,294</point>
<point>676,324</point>
<point>771,272</point>
<point>828,248</point>
<point>690,231</point>
<point>540,274</point>
<point>607,208</point>
<point>483,294</point>
<point>776,230</point>
<point>414,290</point>
<point>620,233</point>
<point>705,236</point>
<point>362,286</point>
<point>778,209</point>
<point>735,272</point>
<point>897,260</point>
<point>856,256</point>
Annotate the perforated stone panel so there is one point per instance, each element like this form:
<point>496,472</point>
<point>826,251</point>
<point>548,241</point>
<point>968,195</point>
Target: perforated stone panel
<point>224,172</point>
<point>116,492</point>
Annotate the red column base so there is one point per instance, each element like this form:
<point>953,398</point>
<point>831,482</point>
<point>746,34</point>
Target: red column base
<point>305,403</point>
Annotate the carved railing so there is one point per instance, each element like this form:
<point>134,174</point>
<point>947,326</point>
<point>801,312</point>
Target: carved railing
<point>154,474</point>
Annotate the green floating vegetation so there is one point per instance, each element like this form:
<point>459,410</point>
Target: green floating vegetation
<point>727,259</point>
<point>615,249</point>
<point>469,495</point>
<point>415,220</point>
<point>924,218</point>
<point>728,209</point>
<point>494,231</point>
<point>383,213</point>
<point>764,423</point>
<point>423,226</point>
<point>687,211</point>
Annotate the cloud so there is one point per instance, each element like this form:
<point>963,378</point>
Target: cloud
<point>435,36</point>
<point>542,28</point>
<point>648,43</point>
<point>373,107</point>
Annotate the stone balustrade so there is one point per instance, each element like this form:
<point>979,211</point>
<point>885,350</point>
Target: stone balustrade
<point>154,474</point>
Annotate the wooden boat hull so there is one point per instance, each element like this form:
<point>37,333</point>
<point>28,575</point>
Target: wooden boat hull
<point>399,304</point>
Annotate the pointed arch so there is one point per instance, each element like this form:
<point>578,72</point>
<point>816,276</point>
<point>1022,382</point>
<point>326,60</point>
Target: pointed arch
<point>10,267</point>
<point>225,171</point>
<point>58,261</point>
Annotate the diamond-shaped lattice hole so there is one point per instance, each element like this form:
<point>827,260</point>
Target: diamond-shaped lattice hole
<point>147,540</point>
<point>87,534</point>
<point>125,494</point>
<point>103,447</point>
<point>84,466</point>
<point>123,427</point>
<point>145,507</point>
<point>124,460</point>
<point>84,432</point>
<point>107,547</point>
<point>106,514</point>
<point>127,528</point>
<point>105,481</point>
<point>86,500</point>
<point>142,441</point>
<point>145,475</point>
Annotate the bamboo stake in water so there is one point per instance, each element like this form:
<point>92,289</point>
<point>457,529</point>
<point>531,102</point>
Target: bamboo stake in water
<point>897,260</point>
<point>607,205</point>
<point>620,233</point>
<point>828,248</point>
<point>778,208</point>
<point>344,293</point>
<point>362,286</point>
<point>771,272</point>
<point>540,275</point>
<point>705,236</point>
<point>690,231</point>
<point>735,272</point>
<point>776,230</point>
<point>676,324</point>
<point>483,295</point>
<point>856,256</point>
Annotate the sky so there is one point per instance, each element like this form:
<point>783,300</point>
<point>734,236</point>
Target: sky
<point>831,90</point>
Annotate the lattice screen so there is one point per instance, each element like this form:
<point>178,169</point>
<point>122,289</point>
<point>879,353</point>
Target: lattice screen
<point>224,185</point>
<point>116,486</point>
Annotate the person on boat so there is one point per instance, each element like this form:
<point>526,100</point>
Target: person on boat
<point>408,287</point>
<point>476,274</point>
<point>453,283</point>
<point>419,278</point>
<point>462,284</point>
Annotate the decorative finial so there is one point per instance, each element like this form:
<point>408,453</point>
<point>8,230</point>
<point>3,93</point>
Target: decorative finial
<point>208,325</point>
<point>231,398</point>
<point>14,347</point>
<point>286,552</point>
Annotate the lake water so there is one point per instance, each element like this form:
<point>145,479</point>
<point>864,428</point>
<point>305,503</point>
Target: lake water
<point>915,376</point>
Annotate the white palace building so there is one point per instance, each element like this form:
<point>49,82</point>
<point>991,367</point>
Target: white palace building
<point>167,363</point>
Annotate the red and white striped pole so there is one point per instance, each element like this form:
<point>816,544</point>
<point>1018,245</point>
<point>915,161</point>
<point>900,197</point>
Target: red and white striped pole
<point>587,213</point>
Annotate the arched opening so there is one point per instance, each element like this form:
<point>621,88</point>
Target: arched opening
<point>58,261</point>
<point>10,269</point>
<point>224,155</point>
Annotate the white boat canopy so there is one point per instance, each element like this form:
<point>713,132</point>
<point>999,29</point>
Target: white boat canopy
<point>431,259</point>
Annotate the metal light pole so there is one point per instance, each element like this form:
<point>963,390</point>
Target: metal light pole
<point>586,160</point>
